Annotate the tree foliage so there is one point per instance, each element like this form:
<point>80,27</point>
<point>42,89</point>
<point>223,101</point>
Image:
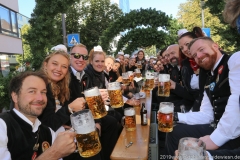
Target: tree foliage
<point>190,16</point>
<point>91,18</point>
<point>135,19</point>
<point>45,31</point>
<point>26,48</point>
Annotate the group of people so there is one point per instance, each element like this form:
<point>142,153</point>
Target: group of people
<point>204,89</point>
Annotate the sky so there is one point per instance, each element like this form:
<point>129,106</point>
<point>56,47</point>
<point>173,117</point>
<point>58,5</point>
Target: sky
<point>170,7</point>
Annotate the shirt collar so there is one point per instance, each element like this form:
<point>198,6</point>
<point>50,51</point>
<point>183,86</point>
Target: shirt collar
<point>74,72</point>
<point>34,125</point>
<point>215,66</point>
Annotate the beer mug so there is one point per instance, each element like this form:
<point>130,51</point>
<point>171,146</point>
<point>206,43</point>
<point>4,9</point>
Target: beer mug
<point>149,82</point>
<point>125,78</point>
<point>138,73</point>
<point>131,76</point>
<point>87,137</point>
<point>129,119</point>
<point>115,95</point>
<point>165,117</point>
<point>95,102</point>
<point>191,148</point>
<point>139,64</point>
<point>164,85</point>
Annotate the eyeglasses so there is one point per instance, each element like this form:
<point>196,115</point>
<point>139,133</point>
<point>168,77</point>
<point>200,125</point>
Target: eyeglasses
<point>78,55</point>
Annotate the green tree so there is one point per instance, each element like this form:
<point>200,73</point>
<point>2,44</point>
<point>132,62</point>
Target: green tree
<point>45,31</point>
<point>189,16</point>
<point>149,22</point>
<point>90,18</point>
<point>26,48</point>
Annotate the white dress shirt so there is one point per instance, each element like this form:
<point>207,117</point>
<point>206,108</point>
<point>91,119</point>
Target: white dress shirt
<point>229,125</point>
<point>4,152</point>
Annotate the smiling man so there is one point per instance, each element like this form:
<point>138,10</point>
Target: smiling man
<point>218,121</point>
<point>22,134</point>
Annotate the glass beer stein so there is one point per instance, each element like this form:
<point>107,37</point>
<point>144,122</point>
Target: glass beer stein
<point>125,78</point>
<point>129,119</point>
<point>191,149</point>
<point>95,102</point>
<point>131,76</point>
<point>164,85</point>
<point>87,137</point>
<point>138,73</point>
<point>115,95</point>
<point>165,117</point>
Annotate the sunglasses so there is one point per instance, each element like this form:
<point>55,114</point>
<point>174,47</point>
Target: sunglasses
<point>78,55</point>
<point>238,24</point>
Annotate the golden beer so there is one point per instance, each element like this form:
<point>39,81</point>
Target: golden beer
<point>88,144</point>
<point>149,83</point>
<point>164,85</point>
<point>138,75</point>
<point>95,102</point>
<point>165,117</point>
<point>139,66</point>
<point>125,81</point>
<point>129,119</point>
<point>116,99</point>
<point>131,77</point>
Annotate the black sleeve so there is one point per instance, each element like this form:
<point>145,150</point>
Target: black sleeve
<point>53,119</point>
<point>181,91</point>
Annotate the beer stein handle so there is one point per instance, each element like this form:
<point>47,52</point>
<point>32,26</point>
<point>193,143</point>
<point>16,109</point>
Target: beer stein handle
<point>123,121</point>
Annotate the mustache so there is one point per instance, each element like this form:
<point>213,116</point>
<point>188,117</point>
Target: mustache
<point>38,103</point>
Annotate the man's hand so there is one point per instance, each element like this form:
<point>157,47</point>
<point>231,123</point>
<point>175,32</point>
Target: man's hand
<point>98,126</point>
<point>173,84</point>
<point>210,145</point>
<point>62,146</point>
<point>78,104</point>
<point>104,94</point>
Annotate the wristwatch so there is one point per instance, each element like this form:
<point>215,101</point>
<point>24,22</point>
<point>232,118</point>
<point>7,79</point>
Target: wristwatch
<point>175,116</point>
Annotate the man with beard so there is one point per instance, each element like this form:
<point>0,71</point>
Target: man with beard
<point>173,57</point>
<point>108,125</point>
<point>22,134</point>
<point>218,121</point>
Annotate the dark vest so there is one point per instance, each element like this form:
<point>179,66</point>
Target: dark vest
<point>21,139</point>
<point>219,94</point>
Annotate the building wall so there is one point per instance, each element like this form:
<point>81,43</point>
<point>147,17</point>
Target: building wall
<point>11,4</point>
<point>10,45</point>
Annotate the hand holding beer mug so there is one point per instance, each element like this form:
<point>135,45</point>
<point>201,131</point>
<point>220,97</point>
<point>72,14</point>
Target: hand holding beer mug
<point>125,78</point>
<point>115,95</point>
<point>95,102</point>
<point>164,85</point>
<point>149,83</point>
<point>139,64</point>
<point>87,137</point>
<point>165,117</point>
<point>129,119</point>
<point>131,76</point>
<point>138,73</point>
<point>192,149</point>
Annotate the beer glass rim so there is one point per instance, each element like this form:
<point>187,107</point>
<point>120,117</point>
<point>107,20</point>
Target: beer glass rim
<point>79,112</point>
<point>167,103</point>
<point>90,89</point>
<point>202,143</point>
<point>114,82</point>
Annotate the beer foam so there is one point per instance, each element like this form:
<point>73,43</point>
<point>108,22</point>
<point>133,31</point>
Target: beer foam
<point>114,86</point>
<point>166,109</point>
<point>83,125</point>
<point>130,72</point>
<point>92,92</point>
<point>164,77</point>
<point>129,112</point>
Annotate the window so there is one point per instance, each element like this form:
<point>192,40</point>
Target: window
<point>8,21</point>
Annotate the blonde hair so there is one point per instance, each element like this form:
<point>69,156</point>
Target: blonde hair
<point>93,53</point>
<point>60,89</point>
<point>78,45</point>
<point>231,11</point>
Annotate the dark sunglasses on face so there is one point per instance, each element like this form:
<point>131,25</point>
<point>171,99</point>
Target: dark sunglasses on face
<point>78,55</point>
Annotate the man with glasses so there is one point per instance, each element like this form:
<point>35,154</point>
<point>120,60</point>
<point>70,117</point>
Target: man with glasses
<point>107,125</point>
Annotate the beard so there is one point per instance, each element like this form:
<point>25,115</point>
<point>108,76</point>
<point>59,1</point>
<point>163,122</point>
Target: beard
<point>174,61</point>
<point>26,109</point>
<point>211,61</point>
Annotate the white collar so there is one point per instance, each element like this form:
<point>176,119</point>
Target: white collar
<point>216,64</point>
<point>75,71</point>
<point>34,125</point>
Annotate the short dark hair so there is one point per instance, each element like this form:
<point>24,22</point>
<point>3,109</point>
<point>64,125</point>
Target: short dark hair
<point>163,50</point>
<point>202,38</point>
<point>17,81</point>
